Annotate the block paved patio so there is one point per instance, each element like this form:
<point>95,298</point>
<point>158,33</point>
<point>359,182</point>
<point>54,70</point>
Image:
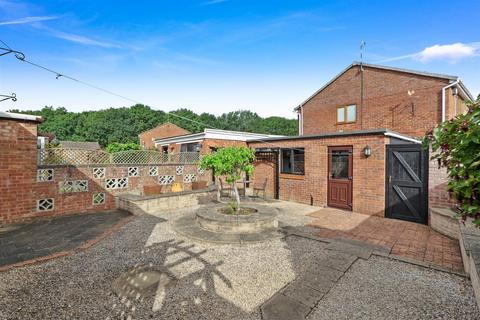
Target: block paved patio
<point>45,239</point>
<point>402,238</point>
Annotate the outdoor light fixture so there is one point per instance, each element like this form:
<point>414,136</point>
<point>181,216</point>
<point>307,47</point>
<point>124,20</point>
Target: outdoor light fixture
<point>367,151</point>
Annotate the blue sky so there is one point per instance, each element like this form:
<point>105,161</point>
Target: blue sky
<point>216,56</point>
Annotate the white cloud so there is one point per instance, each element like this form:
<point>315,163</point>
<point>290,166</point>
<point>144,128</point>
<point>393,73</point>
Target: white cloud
<point>27,20</point>
<point>211,2</point>
<point>77,38</point>
<point>449,52</point>
<point>83,40</point>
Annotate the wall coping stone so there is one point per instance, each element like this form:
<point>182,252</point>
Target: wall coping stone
<point>136,197</point>
<point>470,242</point>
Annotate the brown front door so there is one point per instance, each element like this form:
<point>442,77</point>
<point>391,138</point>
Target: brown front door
<point>340,177</point>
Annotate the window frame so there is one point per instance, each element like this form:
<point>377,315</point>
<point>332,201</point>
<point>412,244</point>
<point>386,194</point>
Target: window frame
<point>197,146</point>
<point>345,113</point>
<point>292,157</point>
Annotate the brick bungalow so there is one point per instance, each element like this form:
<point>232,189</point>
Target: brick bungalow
<point>207,141</point>
<point>164,130</point>
<point>359,147</point>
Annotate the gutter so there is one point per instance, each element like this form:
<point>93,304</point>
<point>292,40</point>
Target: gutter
<point>443,96</point>
<point>464,93</point>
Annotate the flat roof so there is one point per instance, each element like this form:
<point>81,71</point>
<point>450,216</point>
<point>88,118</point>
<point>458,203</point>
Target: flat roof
<point>214,134</point>
<point>385,132</point>
<point>20,116</point>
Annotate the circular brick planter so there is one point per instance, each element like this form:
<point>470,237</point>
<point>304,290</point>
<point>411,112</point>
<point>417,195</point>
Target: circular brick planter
<point>210,225</point>
<point>209,218</point>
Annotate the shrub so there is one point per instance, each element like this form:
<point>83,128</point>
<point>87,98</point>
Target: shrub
<point>457,146</point>
<point>117,147</point>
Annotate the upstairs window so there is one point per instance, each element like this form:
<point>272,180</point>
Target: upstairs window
<point>347,114</point>
<point>293,161</point>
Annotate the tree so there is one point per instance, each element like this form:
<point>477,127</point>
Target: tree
<point>117,147</point>
<point>124,124</point>
<point>230,162</point>
<point>457,146</point>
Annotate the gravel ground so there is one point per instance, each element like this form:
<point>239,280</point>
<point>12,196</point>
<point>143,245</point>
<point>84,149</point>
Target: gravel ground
<point>213,281</point>
<point>381,288</point>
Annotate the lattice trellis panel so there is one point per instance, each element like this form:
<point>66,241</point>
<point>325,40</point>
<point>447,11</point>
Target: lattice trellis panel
<point>116,183</point>
<point>98,198</point>
<point>133,171</point>
<point>166,179</point>
<point>98,173</point>
<point>72,156</point>
<point>153,171</point>
<point>179,170</point>
<point>189,178</point>
<point>60,156</point>
<point>73,186</point>
<point>45,175</point>
<point>47,204</point>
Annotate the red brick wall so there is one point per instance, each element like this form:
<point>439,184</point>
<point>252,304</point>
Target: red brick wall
<point>368,173</point>
<point>386,102</point>
<point>438,195</point>
<point>19,189</point>
<point>163,131</point>
<point>79,202</point>
<point>18,169</point>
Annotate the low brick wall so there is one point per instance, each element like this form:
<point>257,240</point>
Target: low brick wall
<point>140,205</point>
<point>442,220</point>
<point>470,248</point>
<point>105,183</point>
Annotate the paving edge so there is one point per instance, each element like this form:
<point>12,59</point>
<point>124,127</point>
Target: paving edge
<point>292,232</point>
<point>84,246</point>
<point>424,264</point>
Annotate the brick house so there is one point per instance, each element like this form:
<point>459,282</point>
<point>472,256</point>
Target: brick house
<point>359,146</point>
<point>164,130</point>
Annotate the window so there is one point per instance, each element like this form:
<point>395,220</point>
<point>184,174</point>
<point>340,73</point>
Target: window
<point>190,147</point>
<point>347,114</point>
<point>293,161</point>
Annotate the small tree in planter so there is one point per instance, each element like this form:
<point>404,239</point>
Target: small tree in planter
<point>457,143</point>
<point>230,162</point>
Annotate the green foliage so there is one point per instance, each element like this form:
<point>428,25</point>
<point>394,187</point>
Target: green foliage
<point>229,162</point>
<point>457,143</point>
<point>124,124</point>
<point>117,147</point>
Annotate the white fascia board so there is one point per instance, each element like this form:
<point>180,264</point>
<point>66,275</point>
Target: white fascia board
<point>19,116</point>
<point>190,141</point>
<point>235,135</point>
<point>399,136</point>
<point>181,139</point>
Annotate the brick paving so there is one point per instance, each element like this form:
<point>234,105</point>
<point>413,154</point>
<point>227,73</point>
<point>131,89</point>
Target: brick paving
<point>47,239</point>
<point>405,239</point>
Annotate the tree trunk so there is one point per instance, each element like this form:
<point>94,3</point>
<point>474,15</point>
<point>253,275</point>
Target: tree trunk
<point>237,196</point>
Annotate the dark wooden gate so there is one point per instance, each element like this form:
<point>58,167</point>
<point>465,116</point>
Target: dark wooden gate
<point>407,183</point>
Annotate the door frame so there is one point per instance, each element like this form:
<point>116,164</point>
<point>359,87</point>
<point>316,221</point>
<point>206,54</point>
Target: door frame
<point>424,164</point>
<point>348,148</point>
